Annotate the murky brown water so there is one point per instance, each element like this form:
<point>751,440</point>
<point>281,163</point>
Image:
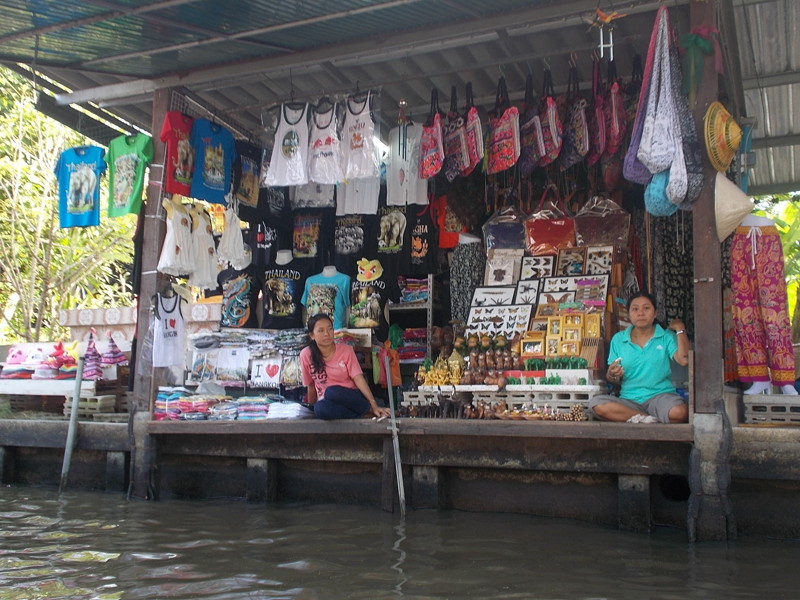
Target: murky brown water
<point>98,546</point>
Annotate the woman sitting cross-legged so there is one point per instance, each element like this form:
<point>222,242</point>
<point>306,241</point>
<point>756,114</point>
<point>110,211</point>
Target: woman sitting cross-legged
<point>337,389</point>
<point>639,362</point>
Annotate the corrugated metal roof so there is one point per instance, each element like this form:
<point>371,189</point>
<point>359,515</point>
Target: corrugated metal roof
<point>243,56</point>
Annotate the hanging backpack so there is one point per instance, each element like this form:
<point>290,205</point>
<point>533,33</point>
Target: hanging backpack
<point>597,119</point>
<point>456,157</point>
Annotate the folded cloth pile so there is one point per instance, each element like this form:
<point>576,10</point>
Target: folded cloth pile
<point>252,408</point>
<point>14,367</point>
<point>167,403</point>
<point>224,411</point>
<point>413,290</point>
<point>289,410</point>
<point>415,344</point>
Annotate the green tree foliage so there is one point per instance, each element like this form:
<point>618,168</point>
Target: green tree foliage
<point>45,269</point>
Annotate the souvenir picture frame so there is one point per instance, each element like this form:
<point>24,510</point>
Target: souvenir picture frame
<point>571,333</point>
<point>527,291</point>
<point>599,260</point>
<point>502,267</point>
<point>538,325</point>
<point>552,346</point>
<point>532,345</point>
<point>560,284</point>
<point>569,348</point>
<point>508,320</point>
<point>571,261</point>
<point>544,310</point>
<point>574,319</point>
<point>493,296</point>
<point>591,325</point>
<point>555,327</point>
<point>591,290</point>
<point>537,267</point>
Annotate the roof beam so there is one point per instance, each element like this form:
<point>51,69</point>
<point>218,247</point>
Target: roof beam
<point>551,16</point>
<point>772,80</point>
<point>771,189</point>
<point>777,141</point>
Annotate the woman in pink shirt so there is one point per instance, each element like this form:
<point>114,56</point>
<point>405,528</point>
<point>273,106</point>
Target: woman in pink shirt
<point>336,386</point>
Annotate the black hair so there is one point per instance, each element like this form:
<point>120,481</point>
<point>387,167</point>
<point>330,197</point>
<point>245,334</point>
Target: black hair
<point>642,294</point>
<point>317,361</point>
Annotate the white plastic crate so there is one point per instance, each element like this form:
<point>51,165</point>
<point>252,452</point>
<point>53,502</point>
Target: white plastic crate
<point>771,409</point>
<point>419,398</point>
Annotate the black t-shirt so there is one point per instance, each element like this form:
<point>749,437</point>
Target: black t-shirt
<point>264,242</point>
<point>246,173</point>
<point>283,290</point>
<point>394,238</point>
<point>312,238</point>
<point>240,291</point>
<point>354,238</point>
<point>370,290</point>
<point>424,242</point>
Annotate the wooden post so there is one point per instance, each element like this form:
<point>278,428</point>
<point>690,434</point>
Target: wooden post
<point>710,514</point>
<point>633,503</point>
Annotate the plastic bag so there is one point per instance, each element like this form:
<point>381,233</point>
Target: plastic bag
<point>548,230</point>
<point>505,229</point>
<point>602,222</point>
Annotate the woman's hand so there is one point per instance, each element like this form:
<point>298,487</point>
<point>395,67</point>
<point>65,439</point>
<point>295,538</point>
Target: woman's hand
<point>615,371</point>
<point>379,411</point>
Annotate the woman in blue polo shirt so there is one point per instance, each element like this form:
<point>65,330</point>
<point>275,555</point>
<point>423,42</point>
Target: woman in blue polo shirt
<point>639,362</point>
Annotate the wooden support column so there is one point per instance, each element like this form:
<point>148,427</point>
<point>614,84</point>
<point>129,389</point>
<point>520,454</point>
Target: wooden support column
<point>115,471</point>
<point>710,516</point>
<point>427,488</point>
<point>262,480</point>
<point>633,503</point>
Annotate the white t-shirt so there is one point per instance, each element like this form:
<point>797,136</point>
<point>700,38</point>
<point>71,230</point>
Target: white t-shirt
<point>403,184</point>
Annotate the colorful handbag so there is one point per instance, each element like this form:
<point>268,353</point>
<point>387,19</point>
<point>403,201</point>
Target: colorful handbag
<point>503,140</point>
<point>431,148</point>
<point>456,157</point>
<point>530,132</point>
<point>615,113</point>
<point>473,132</point>
<point>550,121</point>
<point>597,119</point>
<point>576,129</point>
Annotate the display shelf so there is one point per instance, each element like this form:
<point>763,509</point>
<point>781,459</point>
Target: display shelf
<point>411,307</point>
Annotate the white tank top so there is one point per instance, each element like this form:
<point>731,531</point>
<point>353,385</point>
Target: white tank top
<point>176,253</point>
<point>358,155</point>
<point>324,150</point>
<point>169,337</point>
<point>290,149</point>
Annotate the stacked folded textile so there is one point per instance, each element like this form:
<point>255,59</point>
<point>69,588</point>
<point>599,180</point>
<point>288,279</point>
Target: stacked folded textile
<point>14,369</point>
<point>289,410</point>
<point>224,411</point>
<point>413,290</point>
<point>252,408</point>
<point>167,403</point>
<point>198,406</point>
<point>415,344</point>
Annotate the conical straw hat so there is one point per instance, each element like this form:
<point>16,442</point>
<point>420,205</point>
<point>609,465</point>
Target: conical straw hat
<point>731,205</point>
<point>722,135</point>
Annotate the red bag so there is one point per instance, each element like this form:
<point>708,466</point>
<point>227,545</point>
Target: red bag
<point>597,119</point>
<point>551,122</point>
<point>473,131</point>
<point>548,230</point>
<point>503,143</point>
<point>431,148</point>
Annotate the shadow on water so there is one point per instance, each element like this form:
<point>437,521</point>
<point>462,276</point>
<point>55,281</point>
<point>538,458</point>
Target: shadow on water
<point>96,546</point>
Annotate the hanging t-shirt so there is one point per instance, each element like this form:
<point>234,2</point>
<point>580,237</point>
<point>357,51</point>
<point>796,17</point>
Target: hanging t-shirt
<point>423,246</point>
<point>246,173</point>
<point>394,239</point>
<point>78,172</point>
<point>324,149</point>
<point>359,156</point>
<point>371,289</point>
<point>328,295</point>
<point>403,183</point>
<point>283,292</point>
<point>215,151</point>
<point>358,196</point>
<point>263,241</point>
<point>447,222</point>
<point>128,157</point>
<point>312,195</point>
<point>354,237</point>
<point>290,149</point>
<point>175,133</point>
<point>240,289</point>
<point>312,237</point>
<point>169,333</point>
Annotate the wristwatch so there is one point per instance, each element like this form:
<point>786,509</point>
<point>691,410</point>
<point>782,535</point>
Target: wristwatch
<point>680,331</point>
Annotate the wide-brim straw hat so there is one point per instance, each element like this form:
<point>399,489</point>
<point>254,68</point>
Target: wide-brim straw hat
<point>722,135</point>
<point>731,205</point>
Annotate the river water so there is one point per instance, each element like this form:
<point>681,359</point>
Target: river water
<point>83,545</point>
